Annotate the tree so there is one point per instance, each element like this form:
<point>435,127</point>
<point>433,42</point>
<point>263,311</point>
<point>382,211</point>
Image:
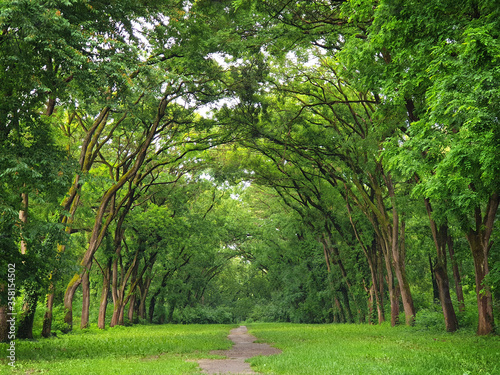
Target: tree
<point>452,127</point>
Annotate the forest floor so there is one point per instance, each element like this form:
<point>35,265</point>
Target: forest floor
<point>307,349</point>
<point>244,348</point>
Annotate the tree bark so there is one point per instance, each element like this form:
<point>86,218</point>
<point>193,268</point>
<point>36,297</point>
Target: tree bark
<point>85,300</point>
<point>143,291</point>
<point>371,258</point>
<point>380,278</point>
<point>332,255</point>
<point>25,330</point>
<point>122,315</point>
<point>373,206</point>
<point>23,217</point>
<point>47,318</point>
<point>131,308</point>
<point>142,308</point>
<point>484,298</point>
<point>435,290</point>
<point>393,298</point>
<point>480,244</point>
<point>115,290</point>
<point>4,326</point>
<point>440,236</point>
<point>101,320</point>
<point>68,299</point>
<point>371,302</point>
<point>119,298</point>
<point>133,281</point>
<point>398,255</point>
<point>152,305</point>
<point>340,311</point>
<point>456,275</point>
<point>345,299</point>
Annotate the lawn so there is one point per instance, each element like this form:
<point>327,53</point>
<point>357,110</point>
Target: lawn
<point>307,349</point>
<point>384,350</point>
<point>152,349</point>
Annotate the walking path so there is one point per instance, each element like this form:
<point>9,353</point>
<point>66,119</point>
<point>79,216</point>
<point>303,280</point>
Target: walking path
<point>243,348</point>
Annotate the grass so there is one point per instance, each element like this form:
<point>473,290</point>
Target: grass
<point>307,349</point>
<point>165,349</point>
<point>363,349</point>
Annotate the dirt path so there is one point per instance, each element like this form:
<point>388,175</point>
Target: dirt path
<point>243,348</point>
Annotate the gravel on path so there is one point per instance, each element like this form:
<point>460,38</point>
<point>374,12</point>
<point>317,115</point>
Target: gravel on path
<point>244,347</point>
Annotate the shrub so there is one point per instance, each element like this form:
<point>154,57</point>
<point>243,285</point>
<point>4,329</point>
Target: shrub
<point>429,319</point>
<point>204,315</point>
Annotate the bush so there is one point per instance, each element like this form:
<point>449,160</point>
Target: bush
<point>270,312</point>
<point>429,319</point>
<point>58,324</point>
<point>204,315</point>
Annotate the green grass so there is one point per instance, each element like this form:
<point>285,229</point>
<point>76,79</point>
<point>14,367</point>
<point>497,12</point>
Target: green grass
<point>158,349</point>
<point>363,349</point>
<point>307,350</point>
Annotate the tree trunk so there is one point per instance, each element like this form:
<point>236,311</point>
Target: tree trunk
<point>372,258</point>
<point>47,318</point>
<point>4,326</point>
<point>456,275</point>
<point>121,315</point>
<point>133,281</point>
<point>345,299</point>
<point>330,252</point>
<point>484,299</point>
<point>450,318</point>
<point>23,217</point>
<point>70,204</point>
<point>398,255</point>
<point>152,305</point>
<point>143,290</point>
<point>115,291</point>
<point>390,286</point>
<point>340,311</point>
<point>171,309</point>
<point>25,330</point>
<point>136,310</point>
<point>440,236</point>
<point>115,318</point>
<point>480,244</point>
<point>101,321</point>
<point>68,299</point>
<point>442,280</point>
<point>142,308</point>
<point>371,303</point>
<point>435,290</point>
<point>85,300</point>
<point>131,308</point>
<point>394,298</point>
<point>380,279</point>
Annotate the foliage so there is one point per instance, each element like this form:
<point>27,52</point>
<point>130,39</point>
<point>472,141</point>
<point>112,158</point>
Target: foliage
<point>204,315</point>
<point>223,161</point>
